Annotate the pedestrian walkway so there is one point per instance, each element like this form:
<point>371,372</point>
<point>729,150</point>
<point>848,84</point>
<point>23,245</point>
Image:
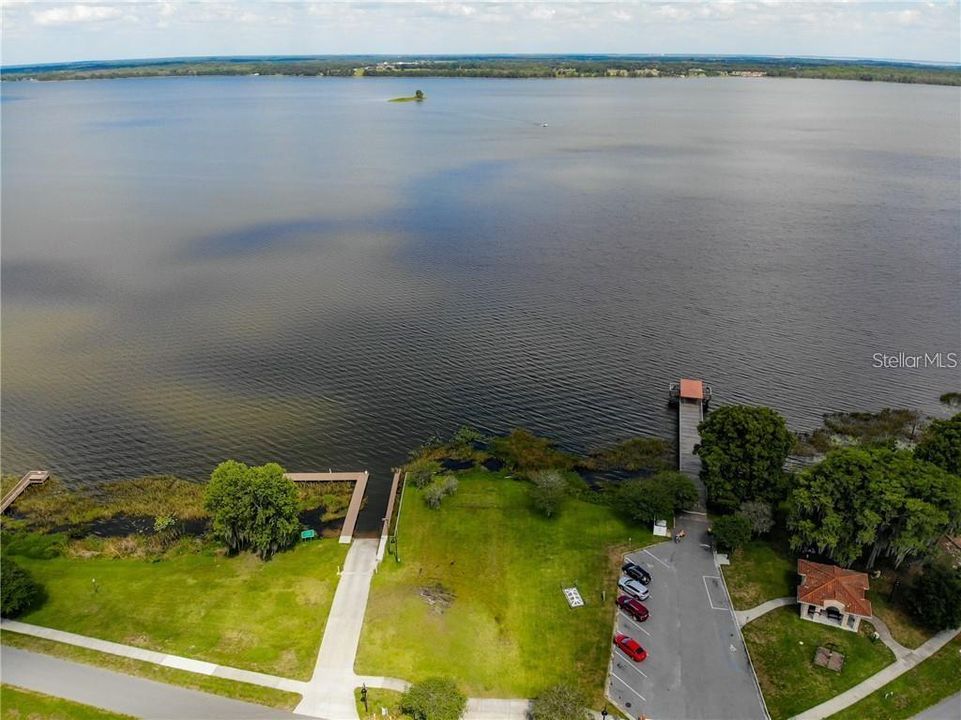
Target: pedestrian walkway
<point>330,692</point>
<point>888,639</point>
<point>121,693</point>
<point>157,658</point>
<point>746,616</point>
<point>879,679</point>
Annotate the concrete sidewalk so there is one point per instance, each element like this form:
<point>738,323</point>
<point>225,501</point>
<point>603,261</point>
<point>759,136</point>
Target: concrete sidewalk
<point>879,679</point>
<point>746,616</point>
<point>330,692</point>
<point>122,693</point>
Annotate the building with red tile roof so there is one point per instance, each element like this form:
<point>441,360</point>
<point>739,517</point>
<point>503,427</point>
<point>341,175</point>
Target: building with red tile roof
<point>831,595</point>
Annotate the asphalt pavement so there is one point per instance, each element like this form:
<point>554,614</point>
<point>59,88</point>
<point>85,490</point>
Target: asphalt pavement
<point>120,693</point>
<point>697,667</point>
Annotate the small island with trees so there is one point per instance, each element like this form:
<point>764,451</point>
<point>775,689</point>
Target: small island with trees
<point>416,97</point>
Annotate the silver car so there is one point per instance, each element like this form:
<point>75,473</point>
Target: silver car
<point>633,587</point>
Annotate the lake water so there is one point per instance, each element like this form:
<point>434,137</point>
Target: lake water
<point>297,270</point>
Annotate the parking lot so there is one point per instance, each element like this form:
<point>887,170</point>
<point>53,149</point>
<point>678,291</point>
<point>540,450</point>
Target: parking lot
<point>697,667</point>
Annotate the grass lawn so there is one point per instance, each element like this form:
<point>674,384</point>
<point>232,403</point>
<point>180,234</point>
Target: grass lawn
<point>19,704</point>
<point>193,681</point>
<point>900,621</point>
<point>494,569</point>
<point>927,684</point>
<point>377,699</point>
<point>782,647</point>
<point>761,571</point>
<point>235,611</point>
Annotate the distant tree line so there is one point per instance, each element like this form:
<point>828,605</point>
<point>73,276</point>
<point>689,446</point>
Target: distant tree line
<point>502,67</point>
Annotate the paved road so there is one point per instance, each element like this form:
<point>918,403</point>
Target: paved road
<point>122,693</point>
<point>947,709</point>
<point>697,667</point>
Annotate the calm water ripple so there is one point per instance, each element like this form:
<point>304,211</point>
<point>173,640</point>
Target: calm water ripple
<point>296,270</point>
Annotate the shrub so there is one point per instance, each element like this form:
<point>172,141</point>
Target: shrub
<point>19,592</point>
<point>731,531</point>
<point>433,494</point>
<point>163,522</point>
<point>634,455</point>
<point>434,699</point>
<point>657,497</point>
<point>421,472</point>
<point>758,514</point>
<point>548,491</point>
<point>560,702</point>
<point>525,452</point>
<point>936,597</point>
<point>448,485</point>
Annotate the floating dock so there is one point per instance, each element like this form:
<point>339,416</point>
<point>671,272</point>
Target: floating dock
<point>356,499</point>
<point>31,478</point>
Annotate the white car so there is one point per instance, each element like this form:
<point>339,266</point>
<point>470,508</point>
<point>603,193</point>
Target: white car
<point>633,587</point>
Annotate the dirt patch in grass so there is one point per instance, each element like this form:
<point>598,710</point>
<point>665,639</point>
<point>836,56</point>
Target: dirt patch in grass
<point>438,597</point>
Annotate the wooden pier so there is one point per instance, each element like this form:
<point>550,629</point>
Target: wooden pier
<point>692,397</point>
<point>32,477</point>
<point>356,499</point>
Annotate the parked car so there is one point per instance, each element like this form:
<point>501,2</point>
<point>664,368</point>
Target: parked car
<point>631,647</point>
<point>637,572</point>
<point>633,587</point>
<point>633,607</point>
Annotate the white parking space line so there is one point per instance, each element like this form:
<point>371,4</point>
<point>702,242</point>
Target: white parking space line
<point>633,622</point>
<point>631,666</point>
<point>622,682</point>
<point>707,589</point>
<point>658,559</point>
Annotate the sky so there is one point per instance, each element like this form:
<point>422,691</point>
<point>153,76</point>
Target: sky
<point>41,31</point>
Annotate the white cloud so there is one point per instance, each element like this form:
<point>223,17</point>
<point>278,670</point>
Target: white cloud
<point>58,30</point>
<point>76,13</point>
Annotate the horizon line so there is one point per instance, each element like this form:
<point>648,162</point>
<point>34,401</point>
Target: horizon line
<point>277,56</point>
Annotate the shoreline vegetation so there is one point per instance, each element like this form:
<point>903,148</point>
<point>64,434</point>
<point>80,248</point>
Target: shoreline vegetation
<point>527,66</point>
<point>416,97</point>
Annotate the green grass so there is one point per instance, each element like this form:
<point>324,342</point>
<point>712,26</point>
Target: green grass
<point>7,483</point>
<point>412,98</point>
<point>782,647</point>
<point>926,684</point>
<point>236,611</point>
<point>760,571</point>
<point>902,623</point>
<point>508,631</point>
<point>19,704</point>
<point>193,681</point>
<point>377,699</point>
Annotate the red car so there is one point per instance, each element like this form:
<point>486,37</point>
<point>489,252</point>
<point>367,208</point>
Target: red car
<point>631,647</point>
<point>633,607</point>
